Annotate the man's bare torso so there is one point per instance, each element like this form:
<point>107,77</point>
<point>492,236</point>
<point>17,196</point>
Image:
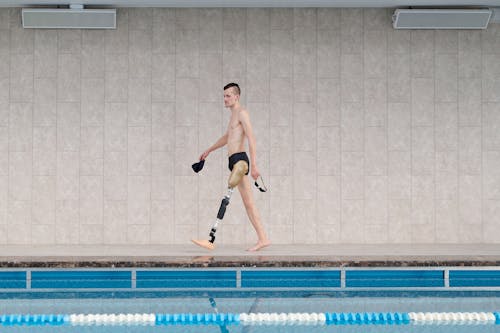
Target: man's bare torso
<point>235,134</point>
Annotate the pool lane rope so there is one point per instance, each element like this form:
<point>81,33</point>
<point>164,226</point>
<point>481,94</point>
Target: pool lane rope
<point>342,318</point>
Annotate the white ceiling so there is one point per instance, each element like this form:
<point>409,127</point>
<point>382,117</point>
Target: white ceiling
<point>254,3</point>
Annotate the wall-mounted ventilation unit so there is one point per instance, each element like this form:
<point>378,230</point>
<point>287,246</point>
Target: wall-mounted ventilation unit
<point>44,18</point>
<point>495,18</point>
<point>441,18</point>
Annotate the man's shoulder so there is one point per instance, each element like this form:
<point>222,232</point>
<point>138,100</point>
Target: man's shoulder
<point>243,112</point>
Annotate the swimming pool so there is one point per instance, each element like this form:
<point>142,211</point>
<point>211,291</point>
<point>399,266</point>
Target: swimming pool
<point>178,311</point>
<point>251,300</point>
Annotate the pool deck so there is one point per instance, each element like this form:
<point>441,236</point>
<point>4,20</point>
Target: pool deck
<point>105,256</point>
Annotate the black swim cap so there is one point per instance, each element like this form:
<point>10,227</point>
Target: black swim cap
<point>198,166</point>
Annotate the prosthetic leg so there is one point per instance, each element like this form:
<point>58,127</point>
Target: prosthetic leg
<point>240,168</point>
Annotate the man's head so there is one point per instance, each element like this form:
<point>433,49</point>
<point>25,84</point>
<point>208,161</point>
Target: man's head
<point>231,94</point>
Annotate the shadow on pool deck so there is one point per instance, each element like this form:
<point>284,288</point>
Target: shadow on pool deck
<point>278,255</point>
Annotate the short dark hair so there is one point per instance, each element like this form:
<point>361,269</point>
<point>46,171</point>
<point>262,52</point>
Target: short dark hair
<point>235,85</point>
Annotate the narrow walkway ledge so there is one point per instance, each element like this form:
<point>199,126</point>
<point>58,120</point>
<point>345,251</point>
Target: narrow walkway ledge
<point>101,256</point>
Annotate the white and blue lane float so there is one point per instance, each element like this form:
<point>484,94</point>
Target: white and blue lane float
<point>295,319</point>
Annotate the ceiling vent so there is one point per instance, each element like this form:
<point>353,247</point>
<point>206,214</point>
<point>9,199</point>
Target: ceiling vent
<point>441,18</point>
<point>75,17</point>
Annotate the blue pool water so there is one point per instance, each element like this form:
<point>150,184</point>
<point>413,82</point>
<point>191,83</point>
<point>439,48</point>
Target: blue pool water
<point>417,299</point>
<point>296,301</point>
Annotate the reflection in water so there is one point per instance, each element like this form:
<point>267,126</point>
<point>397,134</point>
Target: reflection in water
<point>213,304</point>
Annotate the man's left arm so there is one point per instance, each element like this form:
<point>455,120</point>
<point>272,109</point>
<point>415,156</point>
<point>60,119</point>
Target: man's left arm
<point>247,126</point>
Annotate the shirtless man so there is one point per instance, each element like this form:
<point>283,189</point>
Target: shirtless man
<point>239,128</point>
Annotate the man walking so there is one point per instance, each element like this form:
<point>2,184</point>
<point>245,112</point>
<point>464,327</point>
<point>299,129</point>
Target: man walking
<point>238,129</point>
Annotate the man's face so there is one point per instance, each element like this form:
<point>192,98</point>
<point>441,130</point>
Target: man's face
<point>230,98</point>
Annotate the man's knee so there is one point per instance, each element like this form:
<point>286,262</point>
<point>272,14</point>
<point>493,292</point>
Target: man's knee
<point>240,168</point>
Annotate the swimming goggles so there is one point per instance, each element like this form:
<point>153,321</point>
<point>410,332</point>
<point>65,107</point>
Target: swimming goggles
<point>262,188</point>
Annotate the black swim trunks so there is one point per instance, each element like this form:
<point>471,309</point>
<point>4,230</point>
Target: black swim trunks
<point>236,158</point>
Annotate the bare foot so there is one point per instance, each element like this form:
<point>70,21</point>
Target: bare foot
<point>259,245</point>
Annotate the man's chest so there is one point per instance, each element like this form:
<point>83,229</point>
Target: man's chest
<point>234,124</point>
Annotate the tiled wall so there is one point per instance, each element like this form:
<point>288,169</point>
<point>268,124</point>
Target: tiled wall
<point>365,134</point>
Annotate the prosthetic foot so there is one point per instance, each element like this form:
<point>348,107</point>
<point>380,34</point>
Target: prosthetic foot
<point>204,243</point>
<point>239,170</point>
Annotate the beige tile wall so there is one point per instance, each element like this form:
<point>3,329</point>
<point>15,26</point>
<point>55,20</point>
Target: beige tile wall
<point>365,134</point>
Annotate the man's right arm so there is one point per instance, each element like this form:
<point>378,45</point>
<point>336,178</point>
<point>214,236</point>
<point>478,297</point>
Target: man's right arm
<point>220,143</point>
